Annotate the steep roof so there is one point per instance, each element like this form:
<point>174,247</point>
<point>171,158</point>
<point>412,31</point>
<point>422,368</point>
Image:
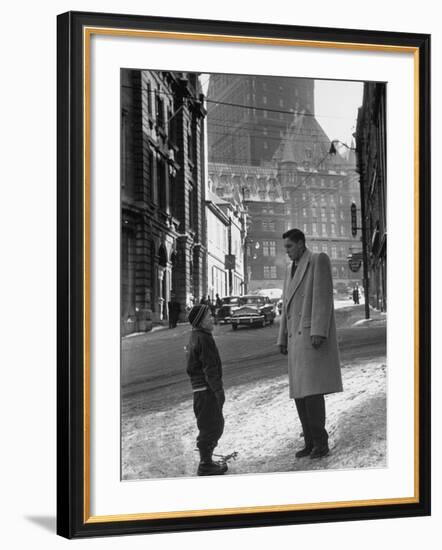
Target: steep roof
<point>306,144</point>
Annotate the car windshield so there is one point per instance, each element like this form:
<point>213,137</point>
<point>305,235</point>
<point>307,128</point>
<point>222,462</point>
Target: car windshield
<point>253,300</point>
<point>231,300</point>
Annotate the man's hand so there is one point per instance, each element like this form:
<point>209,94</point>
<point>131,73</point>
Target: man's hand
<point>317,341</point>
<point>283,349</point>
<point>220,397</point>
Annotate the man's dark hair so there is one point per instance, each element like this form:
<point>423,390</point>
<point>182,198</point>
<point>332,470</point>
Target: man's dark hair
<point>294,235</point>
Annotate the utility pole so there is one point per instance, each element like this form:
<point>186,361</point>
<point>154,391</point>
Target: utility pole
<point>364,249</point>
<point>363,228</point>
<point>229,236</point>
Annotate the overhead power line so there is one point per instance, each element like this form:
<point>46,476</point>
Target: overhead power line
<point>238,105</point>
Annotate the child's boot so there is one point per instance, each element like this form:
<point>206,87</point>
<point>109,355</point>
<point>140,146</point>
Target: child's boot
<point>207,467</point>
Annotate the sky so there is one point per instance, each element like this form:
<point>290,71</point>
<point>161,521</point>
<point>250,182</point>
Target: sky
<point>336,107</point>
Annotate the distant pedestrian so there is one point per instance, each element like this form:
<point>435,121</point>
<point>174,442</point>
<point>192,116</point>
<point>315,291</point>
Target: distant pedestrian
<point>203,300</point>
<point>174,309</point>
<point>356,295</point>
<point>308,335</point>
<point>205,371</point>
<point>218,301</point>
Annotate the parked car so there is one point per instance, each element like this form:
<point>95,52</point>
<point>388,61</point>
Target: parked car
<point>224,313</point>
<point>274,294</point>
<point>253,310</point>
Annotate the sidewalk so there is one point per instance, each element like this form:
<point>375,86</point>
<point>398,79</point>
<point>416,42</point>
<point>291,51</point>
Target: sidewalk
<point>180,328</point>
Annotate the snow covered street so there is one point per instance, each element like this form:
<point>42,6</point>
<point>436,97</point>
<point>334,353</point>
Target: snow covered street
<point>263,427</point>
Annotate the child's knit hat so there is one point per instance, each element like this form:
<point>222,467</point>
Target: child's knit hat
<point>197,314</point>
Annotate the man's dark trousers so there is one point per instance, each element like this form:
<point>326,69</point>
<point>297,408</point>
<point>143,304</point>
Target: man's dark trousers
<point>209,419</point>
<point>311,412</point>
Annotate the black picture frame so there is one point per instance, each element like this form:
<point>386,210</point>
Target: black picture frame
<point>73,519</point>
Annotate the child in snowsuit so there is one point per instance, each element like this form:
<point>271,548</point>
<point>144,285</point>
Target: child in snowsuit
<point>205,372</point>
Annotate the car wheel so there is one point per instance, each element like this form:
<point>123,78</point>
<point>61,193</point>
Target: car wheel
<point>234,327</point>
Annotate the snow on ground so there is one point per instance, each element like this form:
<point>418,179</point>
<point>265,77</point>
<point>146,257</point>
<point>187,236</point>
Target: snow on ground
<point>261,424</point>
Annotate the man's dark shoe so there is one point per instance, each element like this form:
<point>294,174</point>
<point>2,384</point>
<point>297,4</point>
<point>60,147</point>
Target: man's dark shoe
<point>319,452</point>
<point>212,468</point>
<point>304,452</point>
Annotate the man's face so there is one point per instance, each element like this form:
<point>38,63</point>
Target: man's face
<point>294,249</point>
<point>207,322</point>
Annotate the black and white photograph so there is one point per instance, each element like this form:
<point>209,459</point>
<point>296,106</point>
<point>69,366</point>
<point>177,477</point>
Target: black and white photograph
<point>253,276</point>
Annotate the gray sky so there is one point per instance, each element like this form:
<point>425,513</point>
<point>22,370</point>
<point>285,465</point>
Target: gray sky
<point>336,107</point>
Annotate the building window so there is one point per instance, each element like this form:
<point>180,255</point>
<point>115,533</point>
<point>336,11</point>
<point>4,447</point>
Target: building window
<point>342,214</point>
<point>287,209</point>
<point>190,143</point>
<point>333,229</point>
<point>264,114</point>
<point>272,248</point>
<point>265,248</point>
<point>124,148</point>
<point>160,111</point>
<point>281,103</point>
<point>148,99</point>
<point>314,212</point>
<point>334,271</point>
<point>333,214</point>
<point>161,184</point>
<point>314,229</point>
<point>341,252</point>
<point>270,272</point>
<point>191,208</point>
<point>324,228</point>
<point>264,99</point>
<point>334,253</point>
<point>304,227</point>
<point>341,200</point>
<point>315,248</point>
<point>264,225</point>
<point>151,182</point>
<point>342,271</point>
<point>342,231</point>
<point>304,212</point>
<point>308,153</point>
<point>323,213</point>
<point>271,226</point>
<point>324,248</point>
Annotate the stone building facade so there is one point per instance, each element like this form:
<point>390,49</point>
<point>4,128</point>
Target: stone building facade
<point>297,191</point>
<point>372,168</point>
<point>258,191</point>
<point>318,188</point>
<point>162,195</point>
<point>225,237</point>
<point>267,148</point>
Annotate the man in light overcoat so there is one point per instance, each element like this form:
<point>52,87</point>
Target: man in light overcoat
<point>307,335</point>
